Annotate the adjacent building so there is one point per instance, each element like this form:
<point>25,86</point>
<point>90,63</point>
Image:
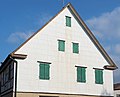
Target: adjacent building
<point>62,59</point>
<point>117,90</point>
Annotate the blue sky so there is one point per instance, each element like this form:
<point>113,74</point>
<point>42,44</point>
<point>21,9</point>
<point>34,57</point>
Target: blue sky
<point>21,18</point>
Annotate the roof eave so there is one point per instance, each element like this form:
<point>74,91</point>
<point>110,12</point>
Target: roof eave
<point>9,59</point>
<point>18,56</point>
<point>108,67</point>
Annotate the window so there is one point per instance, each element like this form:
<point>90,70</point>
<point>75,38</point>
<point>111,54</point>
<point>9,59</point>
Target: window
<point>81,74</point>
<point>2,79</point>
<point>6,75</point>
<point>98,76</point>
<point>11,71</point>
<point>75,48</point>
<point>68,21</point>
<point>44,72</point>
<point>61,45</point>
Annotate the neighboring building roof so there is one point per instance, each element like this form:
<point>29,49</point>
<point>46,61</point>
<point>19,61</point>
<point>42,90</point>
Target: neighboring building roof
<point>112,65</point>
<point>10,58</point>
<point>117,86</point>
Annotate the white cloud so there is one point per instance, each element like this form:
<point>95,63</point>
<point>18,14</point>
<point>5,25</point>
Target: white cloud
<point>107,28</point>
<point>114,53</point>
<point>108,24</point>
<point>18,36</point>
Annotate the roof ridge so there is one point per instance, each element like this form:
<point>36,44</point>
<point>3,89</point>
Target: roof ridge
<point>41,28</point>
<point>112,65</point>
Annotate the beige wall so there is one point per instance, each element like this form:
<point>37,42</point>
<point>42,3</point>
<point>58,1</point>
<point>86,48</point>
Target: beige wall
<point>51,95</point>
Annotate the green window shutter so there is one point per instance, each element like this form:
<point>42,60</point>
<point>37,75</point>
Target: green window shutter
<point>78,74</point>
<point>101,76</point>
<point>61,45</point>
<point>42,71</point>
<point>81,74</point>
<point>68,21</point>
<point>47,71</point>
<point>75,48</point>
<point>98,76</point>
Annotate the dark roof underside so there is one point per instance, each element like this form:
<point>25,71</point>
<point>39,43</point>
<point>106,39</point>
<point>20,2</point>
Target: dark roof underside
<point>117,86</point>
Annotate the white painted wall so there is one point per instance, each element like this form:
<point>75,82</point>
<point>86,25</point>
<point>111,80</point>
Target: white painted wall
<point>44,47</point>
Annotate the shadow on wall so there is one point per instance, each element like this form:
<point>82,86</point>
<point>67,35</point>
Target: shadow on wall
<point>105,93</point>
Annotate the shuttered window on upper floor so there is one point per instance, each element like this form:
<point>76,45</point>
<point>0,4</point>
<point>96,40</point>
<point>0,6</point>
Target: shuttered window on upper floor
<point>44,71</point>
<point>61,45</point>
<point>75,47</point>
<point>98,76</point>
<point>68,21</point>
<point>81,74</point>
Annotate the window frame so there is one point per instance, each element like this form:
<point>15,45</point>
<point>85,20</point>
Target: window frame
<point>45,75</point>
<point>11,71</point>
<point>98,76</point>
<point>82,74</point>
<point>61,47</point>
<point>74,49</point>
<point>68,21</point>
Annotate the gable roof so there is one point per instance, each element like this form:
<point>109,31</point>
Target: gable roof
<point>112,65</point>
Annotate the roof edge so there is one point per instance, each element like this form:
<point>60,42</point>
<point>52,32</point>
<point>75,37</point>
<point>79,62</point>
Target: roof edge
<point>18,56</point>
<point>110,67</point>
<point>69,4</point>
<point>87,30</point>
<point>9,59</point>
<point>93,38</point>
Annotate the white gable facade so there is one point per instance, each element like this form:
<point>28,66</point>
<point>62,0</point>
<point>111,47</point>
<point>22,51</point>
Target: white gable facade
<point>43,47</point>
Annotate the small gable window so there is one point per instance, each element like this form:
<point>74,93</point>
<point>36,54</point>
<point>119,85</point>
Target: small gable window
<point>68,21</point>
<point>44,70</point>
<point>61,45</point>
<point>81,74</point>
<point>98,76</point>
<point>75,47</point>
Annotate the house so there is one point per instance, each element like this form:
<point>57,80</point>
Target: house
<point>62,59</point>
<point>117,90</point>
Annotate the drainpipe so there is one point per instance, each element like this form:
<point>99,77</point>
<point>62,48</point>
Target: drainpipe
<point>15,75</point>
